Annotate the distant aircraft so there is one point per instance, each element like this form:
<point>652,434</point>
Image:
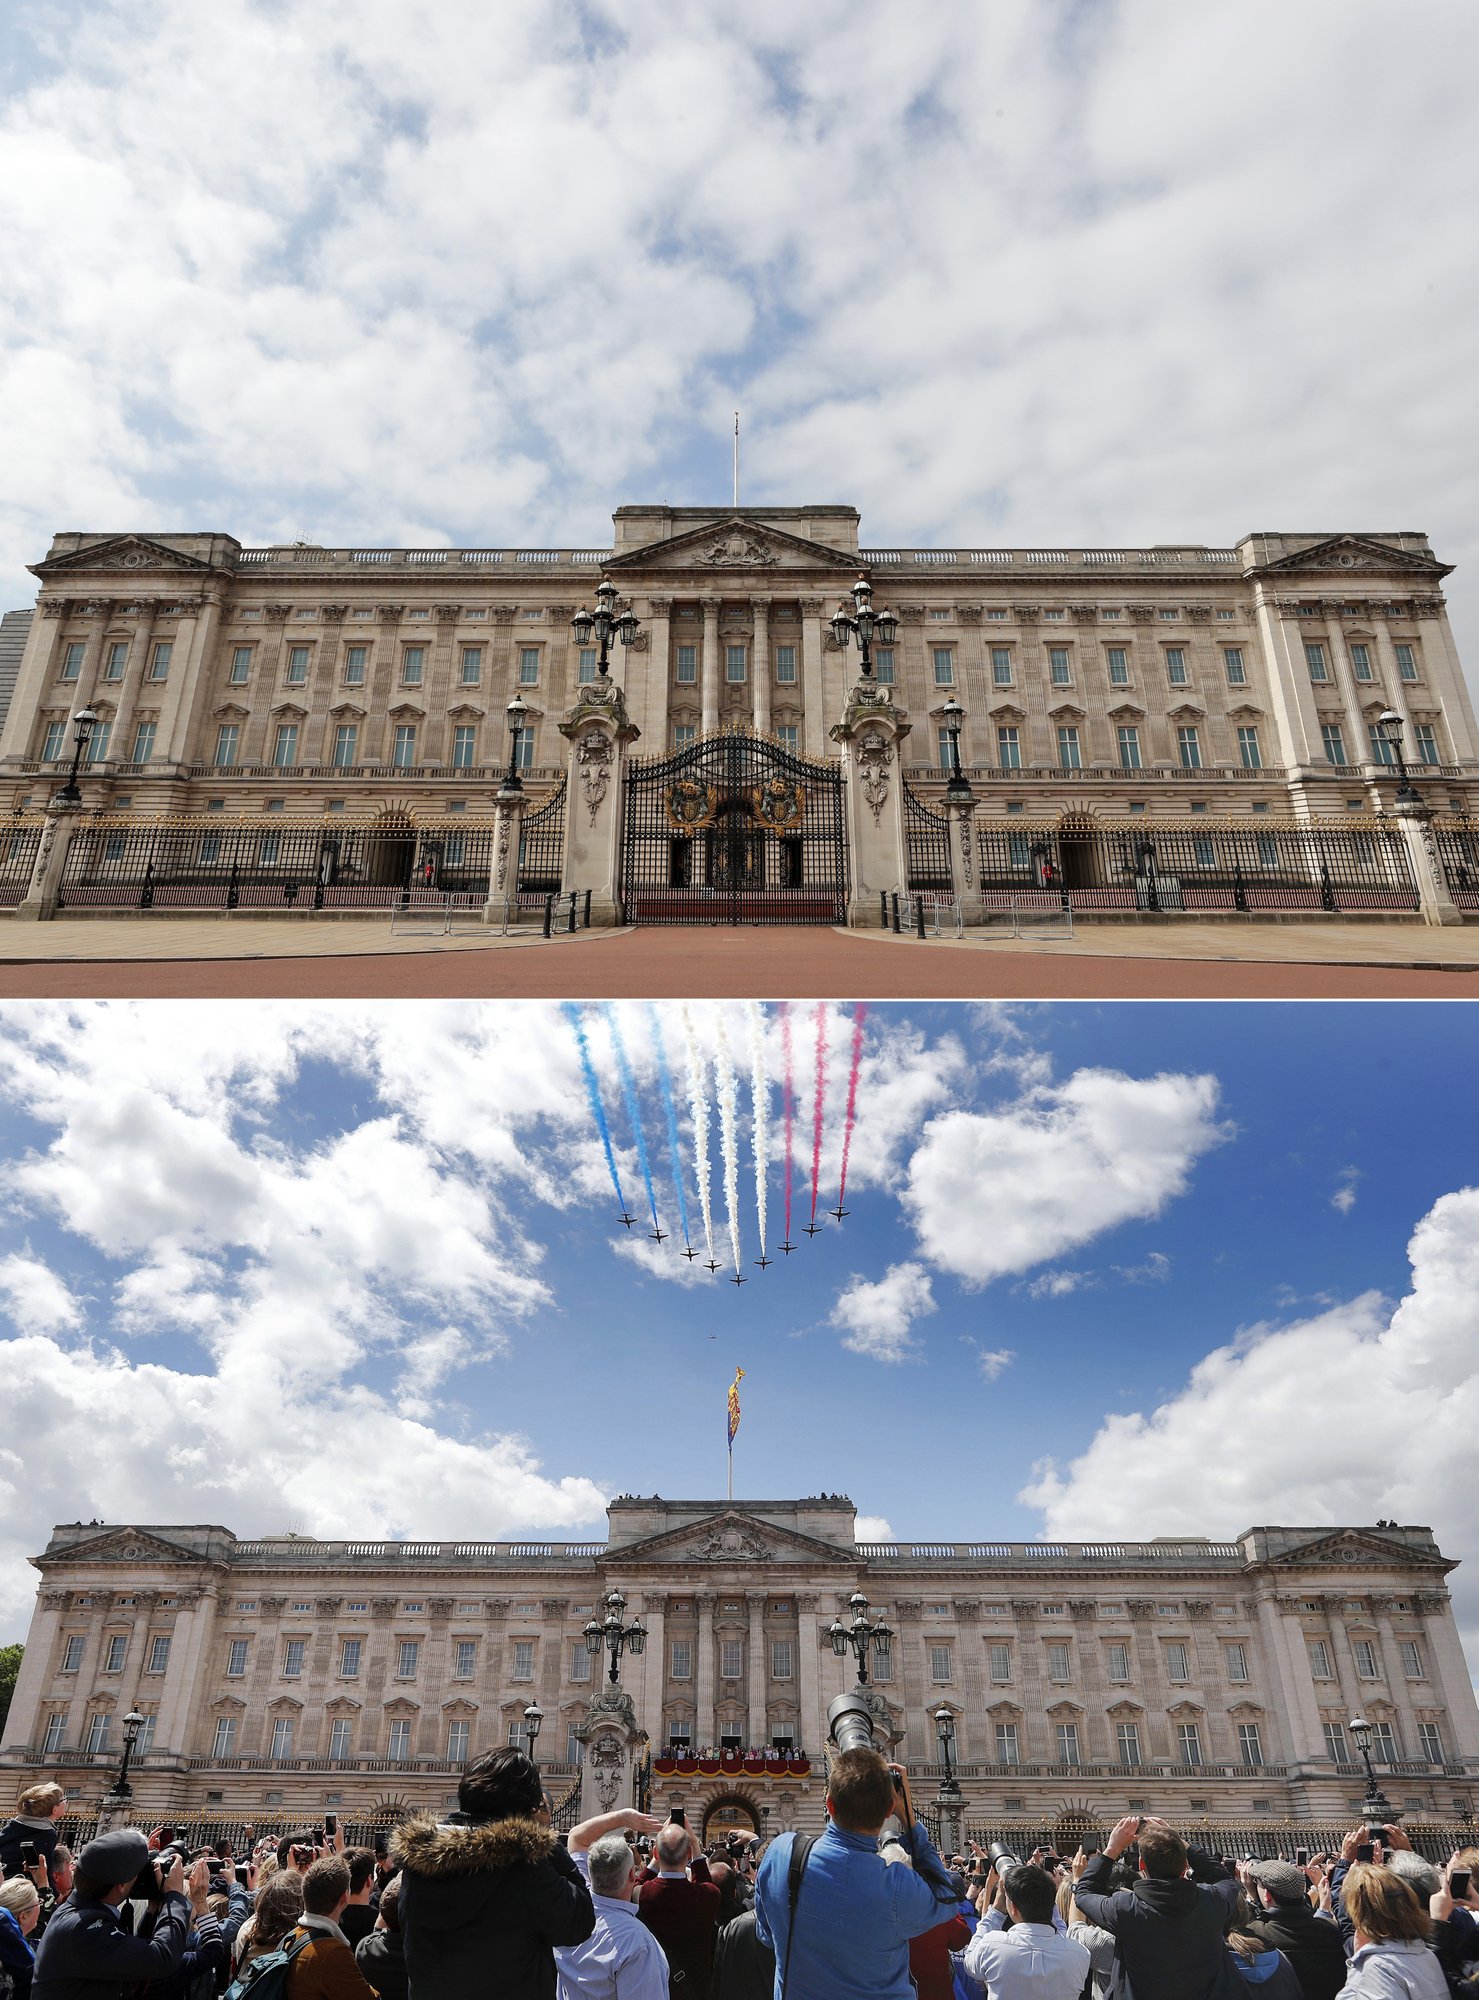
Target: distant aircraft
<point>629,1220</point>
<point>788,1248</point>
<point>658,1237</point>
<point>738,1280</point>
<point>763,1261</point>
<point>712,1265</point>
<point>813,1228</point>
<point>839,1211</point>
<point>690,1253</point>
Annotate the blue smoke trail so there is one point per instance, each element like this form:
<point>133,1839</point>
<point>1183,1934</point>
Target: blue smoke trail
<point>593,1092</point>
<point>665,1078</point>
<point>634,1110</point>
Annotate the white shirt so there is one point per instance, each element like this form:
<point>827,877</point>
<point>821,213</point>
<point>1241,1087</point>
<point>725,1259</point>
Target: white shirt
<point>1028,1962</point>
<point>620,1960</point>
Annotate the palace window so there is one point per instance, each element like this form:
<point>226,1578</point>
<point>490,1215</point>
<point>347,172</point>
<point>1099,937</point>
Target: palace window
<point>1335,1744</point>
<point>282,1736</point>
<point>350,1654</point>
<point>684,733</point>
<point>883,666</point>
<point>1188,1743</point>
<point>1334,742</point>
<point>787,736</point>
<point>1406,663</point>
<point>585,664</point>
<point>346,745</point>
<point>687,671</point>
<point>55,743</point>
<point>1129,747</point>
<point>1119,666</point>
<point>580,1662</point>
<point>56,1725</point>
<point>1176,1662</point>
<point>72,661</point>
<point>1430,1742</point>
<point>228,742</point>
<point>1006,1743</point>
<point>999,1662</point>
<point>523,1660</point>
<point>528,666</point>
<point>408,1658</point>
<point>1168,614</point>
<point>1250,1745</point>
<point>1320,1660</point>
<point>1189,748</point>
<point>1058,666</point>
<point>399,1747</point>
<point>1068,753</point>
<point>113,1657</point>
<point>1008,749</point>
<point>158,1654</point>
<point>1119,1662</point>
<point>339,1737</point>
<point>284,746</point>
<point>1058,1662</point>
<point>464,1659</point>
<point>225,1742</point>
<point>297,665</point>
<point>116,659</point>
<point>1427,742</point>
<point>236,1659</point>
<point>472,666</point>
<point>1232,660</point>
<point>944,658</point>
<point>1001,666</point>
<point>1365,1657</point>
<point>1412,1660</point>
<point>1067,1734</point>
<point>1249,753</point>
<point>459,1735</point>
<point>1361,662</point>
<point>1176,666</point>
<point>780,1659</point>
<point>1127,1739</point>
<point>731,1659</point>
<point>939,1663</point>
<point>734,663</point>
<point>292,1659</point>
<point>1384,1742</point>
<point>159,665</point>
<point>1237,1663</point>
<point>1314,659</point>
<point>785,664</point>
<point>464,747</point>
<point>403,749</point>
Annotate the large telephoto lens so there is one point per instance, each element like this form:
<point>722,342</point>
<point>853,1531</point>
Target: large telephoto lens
<point>850,1723</point>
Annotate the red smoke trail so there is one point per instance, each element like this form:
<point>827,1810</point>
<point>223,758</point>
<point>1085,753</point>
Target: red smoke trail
<point>817,1104</point>
<point>858,1014</point>
<point>788,1093</point>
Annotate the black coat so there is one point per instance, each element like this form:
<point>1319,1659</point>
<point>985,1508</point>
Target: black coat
<point>382,1962</point>
<point>482,1907</point>
<point>43,1835</point>
<point>744,1965</point>
<point>1311,1944</point>
<point>1168,1935</point>
<point>86,1953</point>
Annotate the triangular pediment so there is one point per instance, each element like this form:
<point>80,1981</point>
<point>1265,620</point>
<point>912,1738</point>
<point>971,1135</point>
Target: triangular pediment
<point>129,1545</point>
<point>736,544</point>
<point>1354,1545</point>
<point>1340,554</point>
<point>130,552</point>
<point>732,1537</point>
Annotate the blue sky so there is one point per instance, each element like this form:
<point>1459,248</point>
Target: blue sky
<point>357,1270</point>
<point>1041,272</point>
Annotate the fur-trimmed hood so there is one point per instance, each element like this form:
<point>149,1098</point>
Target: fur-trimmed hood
<point>425,1845</point>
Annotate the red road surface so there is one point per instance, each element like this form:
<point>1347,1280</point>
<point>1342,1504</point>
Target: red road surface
<point>751,964</point>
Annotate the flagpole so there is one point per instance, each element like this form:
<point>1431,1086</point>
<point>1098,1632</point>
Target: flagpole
<point>736,458</point>
<point>731,1469</point>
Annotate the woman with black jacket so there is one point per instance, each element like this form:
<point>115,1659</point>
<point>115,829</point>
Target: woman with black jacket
<point>488,1893</point>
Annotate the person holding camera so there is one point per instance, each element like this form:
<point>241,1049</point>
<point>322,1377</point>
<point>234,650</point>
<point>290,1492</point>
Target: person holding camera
<point>836,1915</point>
<point>86,1953</point>
<point>681,1909</point>
<point>490,1887</point>
<point>1029,1958</point>
<point>621,1959</point>
<point>1168,1929</point>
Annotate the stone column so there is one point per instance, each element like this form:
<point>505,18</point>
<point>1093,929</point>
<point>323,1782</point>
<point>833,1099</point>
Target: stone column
<point>598,733</point>
<point>709,670</point>
<point>654,1664</point>
<point>503,871</point>
<point>120,750</point>
<point>1415,820</point>
<point>37,1665</point>
<point>760,664</point>
<point>704,1732</point>
<point>1449,1672</point>
<point>811,1723</point>
<point>189,1645</point>
<point>40,902</point>
<point>613,1743</point>
<point>651,713</point>
<point>965,872</point>
<point>871,735</point>
<point>1350,689</point>
<point>813,703</point>
<point>37,670</point>
<point>102,609</point>
<point>757,1669</point>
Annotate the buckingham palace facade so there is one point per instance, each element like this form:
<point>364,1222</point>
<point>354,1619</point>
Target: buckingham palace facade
<point>310,679</point>
<point>1197,1677</point>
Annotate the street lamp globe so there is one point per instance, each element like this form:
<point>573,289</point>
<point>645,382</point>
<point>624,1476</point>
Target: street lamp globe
<point>133,1722</point>
<point>1360,1728</point>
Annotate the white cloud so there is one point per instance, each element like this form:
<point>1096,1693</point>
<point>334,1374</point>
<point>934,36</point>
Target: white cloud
<point>994,1361</point>
<point>663,1260</point>
<point>990,1193</point>
<point>273,275</point>
<point>1344,1198</point>
<point>873,1528</point>
<point>1058,1284</point>
<point>35,1298</point>
<point>879,1315</point>
<point>1397,1395</point>
<point>1155,1269</point>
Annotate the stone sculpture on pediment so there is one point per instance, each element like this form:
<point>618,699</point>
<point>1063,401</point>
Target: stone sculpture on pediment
<point>731,1543</point>
<point>736,549</point>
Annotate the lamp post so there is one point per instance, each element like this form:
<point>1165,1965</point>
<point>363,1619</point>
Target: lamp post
<point>533,1723</point>
<point>1376,1808</point>
<point>116,1801</point>
<point>867,1637</point>
<point>516,710</point>
<point>84,722</point>
<point>613,1636</point>
<point>952,715</point>
<point>864,624</point>
<point>602,623</point>
<point>1389,732</point>
<point>945,1731</point>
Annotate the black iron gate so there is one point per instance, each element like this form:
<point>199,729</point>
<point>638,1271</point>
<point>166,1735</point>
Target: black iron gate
<point>734,830</point>
<point>927,845</point>
<point>542,846</point>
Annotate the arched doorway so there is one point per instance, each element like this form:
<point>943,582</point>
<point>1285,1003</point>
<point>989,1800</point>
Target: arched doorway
<point>1076,850</point>
<point>729,1813</point>
<point>390,851</point>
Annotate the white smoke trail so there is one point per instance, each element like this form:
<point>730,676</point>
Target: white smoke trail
<point>760,1113</point>
<point>698,1106</point>
<point>728,1124</point>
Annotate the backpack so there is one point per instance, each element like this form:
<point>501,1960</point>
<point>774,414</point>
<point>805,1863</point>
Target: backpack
<point>266,1978</point>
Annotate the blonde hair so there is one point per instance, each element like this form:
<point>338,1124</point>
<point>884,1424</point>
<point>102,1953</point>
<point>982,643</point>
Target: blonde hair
<point>18,1894</point>
<point>1382,1906</point>
<point>1064,1900</point>
<point>39,1800</point>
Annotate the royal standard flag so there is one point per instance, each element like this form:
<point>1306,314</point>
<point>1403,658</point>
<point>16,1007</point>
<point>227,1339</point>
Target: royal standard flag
<point>734,1408</point>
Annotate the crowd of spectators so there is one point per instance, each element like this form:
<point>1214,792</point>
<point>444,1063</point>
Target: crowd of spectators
<point>489,1900</point>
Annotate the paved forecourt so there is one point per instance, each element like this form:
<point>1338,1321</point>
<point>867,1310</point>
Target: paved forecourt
<point>191,958</point>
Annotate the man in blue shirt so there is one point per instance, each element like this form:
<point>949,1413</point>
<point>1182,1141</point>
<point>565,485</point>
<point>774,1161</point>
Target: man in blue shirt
<point>855,1913</point>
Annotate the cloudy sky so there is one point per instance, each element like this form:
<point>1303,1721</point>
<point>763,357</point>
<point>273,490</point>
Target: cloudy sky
<point>1039,272</point>
<point>360,1270</point>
